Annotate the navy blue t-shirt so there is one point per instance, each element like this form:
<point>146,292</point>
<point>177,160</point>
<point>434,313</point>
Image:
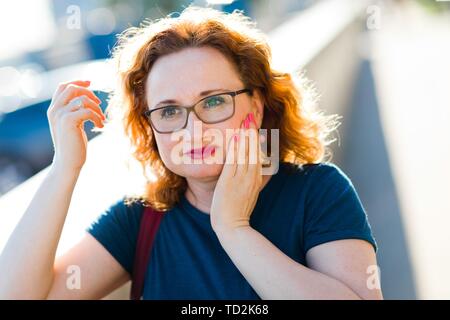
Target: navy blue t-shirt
<point>299,208</point>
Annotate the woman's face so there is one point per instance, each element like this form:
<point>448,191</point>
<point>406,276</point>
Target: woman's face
<point>182,77</point>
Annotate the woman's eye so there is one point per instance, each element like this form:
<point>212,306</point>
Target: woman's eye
<point>169,112</point>
<point>214,102</point>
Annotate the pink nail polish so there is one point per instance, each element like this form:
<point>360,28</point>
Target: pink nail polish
<point>246,124</point>
<point>236,138</point>
<point>252,118</point>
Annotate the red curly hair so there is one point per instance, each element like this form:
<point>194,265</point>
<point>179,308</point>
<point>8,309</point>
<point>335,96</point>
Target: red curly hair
<point>289,105</point>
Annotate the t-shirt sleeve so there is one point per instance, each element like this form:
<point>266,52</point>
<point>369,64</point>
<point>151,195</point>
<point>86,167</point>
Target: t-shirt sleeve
<point>117,229</point>
<point>333,209</point>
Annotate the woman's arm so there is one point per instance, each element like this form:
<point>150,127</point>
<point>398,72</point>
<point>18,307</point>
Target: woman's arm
<point>338,268</point>
<point>27,265</point>
<point>99,272</point>
<point>27,261</point>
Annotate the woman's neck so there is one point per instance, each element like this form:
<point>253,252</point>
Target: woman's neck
<point>200,193</point>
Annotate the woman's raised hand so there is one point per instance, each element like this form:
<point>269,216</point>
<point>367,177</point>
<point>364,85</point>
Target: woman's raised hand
<point>72,104</point>
<point>240,182</point>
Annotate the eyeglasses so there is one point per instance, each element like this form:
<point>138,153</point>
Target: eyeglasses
<point>211,109</point>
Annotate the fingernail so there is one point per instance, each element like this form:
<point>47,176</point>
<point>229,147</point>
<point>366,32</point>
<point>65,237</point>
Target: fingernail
<point>246,123</point>
<point>236,138</point>
<point>252,118</point>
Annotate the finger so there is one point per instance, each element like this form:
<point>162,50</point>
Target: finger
<point>262,138</point>
<point>260,156</point>
<point>78,117</point>
<point>247,147</point>
<point>72,91</point>
<point>242,156</point>
<point>253,147</point>
<point>87,103</point>
<point>63,85</point>
<point>230,161</point>
<point>254,150</point>
<point>236,141</point>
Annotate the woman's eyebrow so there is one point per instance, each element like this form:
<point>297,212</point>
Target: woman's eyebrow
<point>202,94</point>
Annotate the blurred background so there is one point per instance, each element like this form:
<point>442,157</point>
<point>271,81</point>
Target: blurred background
<point>383,66</point>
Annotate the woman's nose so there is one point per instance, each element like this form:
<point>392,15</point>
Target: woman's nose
<point>193,122</point>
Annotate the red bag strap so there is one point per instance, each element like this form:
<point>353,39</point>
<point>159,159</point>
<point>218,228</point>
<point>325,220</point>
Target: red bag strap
<point>147,231</point>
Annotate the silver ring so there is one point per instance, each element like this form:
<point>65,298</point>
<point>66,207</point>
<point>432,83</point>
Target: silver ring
<point>76,103</point>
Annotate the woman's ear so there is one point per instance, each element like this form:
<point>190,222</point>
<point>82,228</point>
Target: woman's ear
<point>258,107</point>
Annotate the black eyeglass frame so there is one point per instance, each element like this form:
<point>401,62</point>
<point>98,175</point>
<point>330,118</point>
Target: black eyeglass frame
<point>233,94</point>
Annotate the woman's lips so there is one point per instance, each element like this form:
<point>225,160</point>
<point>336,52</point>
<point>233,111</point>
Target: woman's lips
<point>201,153</point>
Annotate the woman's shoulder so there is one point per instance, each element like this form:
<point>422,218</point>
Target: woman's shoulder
<point>315,179</point>
<point>332,209</point>
<point>124,211</point>
<point>128,205</point>
<point>116,228</point>
<point>321,170</point>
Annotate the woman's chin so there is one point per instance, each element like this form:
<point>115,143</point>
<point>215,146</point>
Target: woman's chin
<point>203,170</point>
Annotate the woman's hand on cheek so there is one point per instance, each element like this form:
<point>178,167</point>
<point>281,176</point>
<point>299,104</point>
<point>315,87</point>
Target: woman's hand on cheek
<point>239,184</point>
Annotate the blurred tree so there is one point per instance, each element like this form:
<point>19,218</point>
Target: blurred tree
<point>435,6</point>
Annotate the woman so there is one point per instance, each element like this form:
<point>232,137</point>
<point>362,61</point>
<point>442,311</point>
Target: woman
<point>228,231</point>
